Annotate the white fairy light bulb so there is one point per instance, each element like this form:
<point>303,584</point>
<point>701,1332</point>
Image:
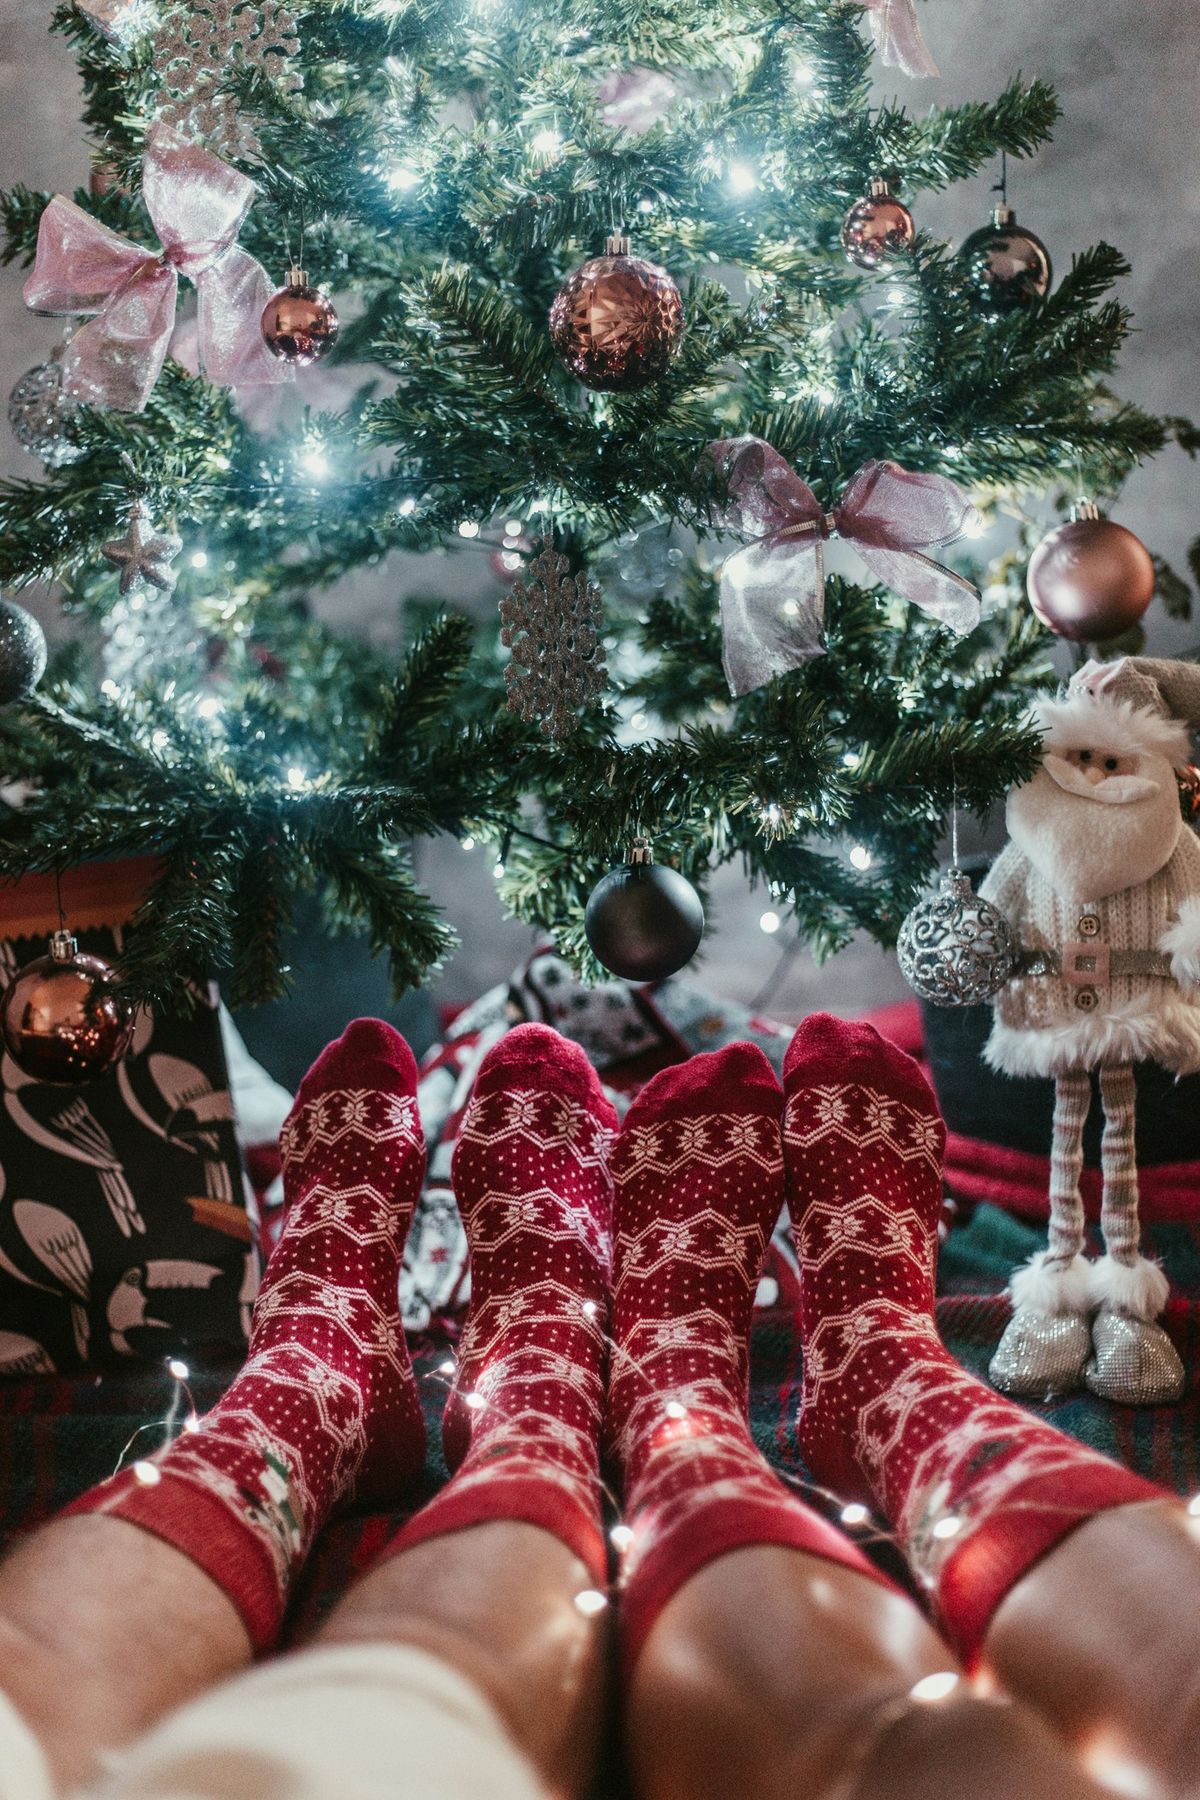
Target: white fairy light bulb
<point>147,1473</point>
<point>177,1368</point>
<point>935,1687</point>
<point>468,528</point>
<point>860,856</point>
<point>769,922</point>
<point>948,1527</point>
<point>854,1514</point>
<point>743,177</point>
<point>590,1602</point>
<point>621,1536</point>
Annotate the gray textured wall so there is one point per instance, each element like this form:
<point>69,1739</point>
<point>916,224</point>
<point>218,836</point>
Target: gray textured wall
<point>1124,166</point>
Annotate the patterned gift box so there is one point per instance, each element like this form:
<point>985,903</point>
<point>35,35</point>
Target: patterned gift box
<point>124,1231</point>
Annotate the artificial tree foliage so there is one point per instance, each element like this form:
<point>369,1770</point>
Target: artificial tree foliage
<point>446,164</point>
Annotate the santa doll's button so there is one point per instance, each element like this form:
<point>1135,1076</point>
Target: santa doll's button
<point>1087,999</point>
<point>1089,925</point>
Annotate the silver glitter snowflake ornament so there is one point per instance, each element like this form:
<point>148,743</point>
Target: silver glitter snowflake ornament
<point>550,621</point>
<point>144,555</point>
<point>199,45</point>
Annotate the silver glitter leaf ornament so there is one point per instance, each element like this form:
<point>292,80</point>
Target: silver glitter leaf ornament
<point>199,45</point>
<point>144,555</point>
<point>39,413</point>
<point>551,622</point>
<point>955,949</point>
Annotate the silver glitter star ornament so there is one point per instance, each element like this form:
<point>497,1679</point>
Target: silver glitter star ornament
<point>199,45</point>
<point>144,555</point>
<point>550,621</point>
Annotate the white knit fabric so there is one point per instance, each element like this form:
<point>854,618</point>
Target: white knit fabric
<point>1039,1028</point>
<point>351,1722</point>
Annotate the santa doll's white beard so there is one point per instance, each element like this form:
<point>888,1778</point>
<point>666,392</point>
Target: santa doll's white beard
<point>1088,845</point>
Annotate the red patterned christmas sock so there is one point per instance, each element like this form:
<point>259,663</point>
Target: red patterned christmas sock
<point>325,1408</point>
<point>976,1488</point>
<point>698,1175</point>
<point>531,1179</point>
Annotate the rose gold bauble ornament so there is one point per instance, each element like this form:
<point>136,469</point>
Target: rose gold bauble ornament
<point>876,229</point>
<point>1090,579</point>
<point>1006,266</point>
<point>299,324</point>
<point>617,322</point>
<point>64,1020</point>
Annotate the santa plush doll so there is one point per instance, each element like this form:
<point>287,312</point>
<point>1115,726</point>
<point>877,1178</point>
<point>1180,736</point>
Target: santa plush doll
<point>1101,882</point>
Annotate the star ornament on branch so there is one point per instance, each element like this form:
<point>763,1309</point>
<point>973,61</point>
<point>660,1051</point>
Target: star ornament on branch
<point>144,555</point>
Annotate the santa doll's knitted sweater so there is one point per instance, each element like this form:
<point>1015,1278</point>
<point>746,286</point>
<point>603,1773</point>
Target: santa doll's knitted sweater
<point>1045,1024</point>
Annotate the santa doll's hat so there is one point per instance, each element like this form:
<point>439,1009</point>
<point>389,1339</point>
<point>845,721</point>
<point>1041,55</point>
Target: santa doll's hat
<point>1145,703</point>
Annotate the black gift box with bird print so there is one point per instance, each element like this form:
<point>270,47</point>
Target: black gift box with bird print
<point>123,1224</point>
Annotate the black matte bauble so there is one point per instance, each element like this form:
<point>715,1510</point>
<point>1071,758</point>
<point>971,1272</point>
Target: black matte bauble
<point>644,921</point>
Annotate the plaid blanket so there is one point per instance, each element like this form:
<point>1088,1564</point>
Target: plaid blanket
<point>58,1435</point>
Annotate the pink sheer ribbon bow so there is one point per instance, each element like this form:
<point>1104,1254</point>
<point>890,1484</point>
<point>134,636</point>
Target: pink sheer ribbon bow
<point>197,204</point>
<point>773,591</point>
<point>898,37</point>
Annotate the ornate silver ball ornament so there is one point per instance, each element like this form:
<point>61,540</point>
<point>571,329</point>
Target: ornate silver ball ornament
<point>954,948</point>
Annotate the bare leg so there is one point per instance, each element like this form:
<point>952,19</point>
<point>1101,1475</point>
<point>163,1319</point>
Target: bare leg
<point>1103,1637</point>
<point>773,1674</point>
<point>497,1601</point>
<point>103,1629</point>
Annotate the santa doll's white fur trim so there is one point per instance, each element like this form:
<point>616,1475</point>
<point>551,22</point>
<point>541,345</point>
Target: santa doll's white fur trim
<point>1052,1287</point>
<point>1164,1029</point>
<point>1086,721</point>
<point>1139,1288</point>
<point>1181,941</point>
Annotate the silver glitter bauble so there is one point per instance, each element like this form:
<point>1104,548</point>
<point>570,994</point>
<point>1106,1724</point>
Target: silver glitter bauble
<point>955,949</point>
<point>22,653</point>
<point>39,412</point>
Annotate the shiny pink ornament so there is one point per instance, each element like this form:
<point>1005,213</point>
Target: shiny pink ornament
<point>617,322</point>
<point>876,229</point>
<point>1090,579</point>
<point>773,591</point>
<point>197,204</point>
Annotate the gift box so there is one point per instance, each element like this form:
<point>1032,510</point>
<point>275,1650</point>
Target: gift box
<point>124,1226</point>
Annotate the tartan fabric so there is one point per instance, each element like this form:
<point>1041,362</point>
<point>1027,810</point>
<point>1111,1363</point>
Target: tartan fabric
<point>58,1434</point>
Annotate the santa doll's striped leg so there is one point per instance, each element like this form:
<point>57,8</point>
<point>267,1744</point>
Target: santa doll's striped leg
<point>1134,1360</point>
<point>1047,1343</point>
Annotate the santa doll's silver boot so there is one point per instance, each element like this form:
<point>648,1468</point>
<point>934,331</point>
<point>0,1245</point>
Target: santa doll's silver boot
<point>1134,1360</point>
<point>1046,1343</point>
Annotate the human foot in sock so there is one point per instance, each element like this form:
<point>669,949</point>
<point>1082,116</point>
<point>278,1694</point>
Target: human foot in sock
<point>698,1177</point>
<point>531,1179</point>
<point>325,1408</point>
<point>975,1488</point>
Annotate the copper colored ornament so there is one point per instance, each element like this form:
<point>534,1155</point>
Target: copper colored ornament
<point>876,229</point>
<point>64,1020</point>
<point>1090,579</point>
<point>1189,791</point>
<point>617,322</point>
<point>1006,266</point>
<point>299,323</point>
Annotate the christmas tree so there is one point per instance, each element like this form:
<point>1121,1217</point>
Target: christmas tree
<point>443,168</point>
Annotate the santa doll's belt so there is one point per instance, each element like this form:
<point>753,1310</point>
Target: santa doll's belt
<point>1120,962</point>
